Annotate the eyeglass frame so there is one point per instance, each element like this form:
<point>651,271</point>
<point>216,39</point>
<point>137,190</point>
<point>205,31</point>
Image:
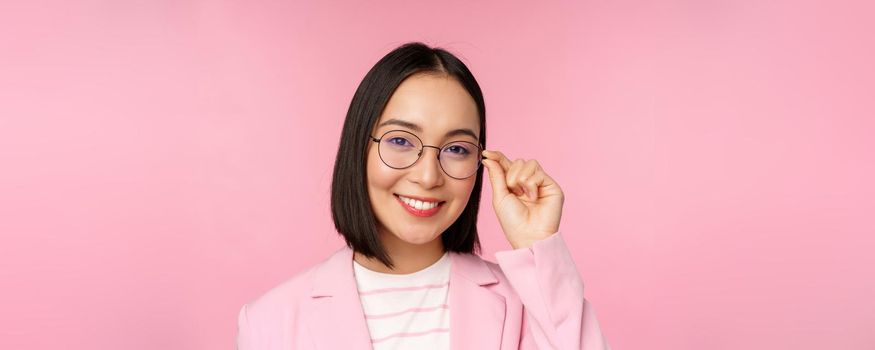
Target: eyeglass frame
<point>422,149</point>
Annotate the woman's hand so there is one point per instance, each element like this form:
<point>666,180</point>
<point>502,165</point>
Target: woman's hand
<point>527,201</point>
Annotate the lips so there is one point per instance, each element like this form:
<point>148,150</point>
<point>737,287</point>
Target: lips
<point>420,206</point>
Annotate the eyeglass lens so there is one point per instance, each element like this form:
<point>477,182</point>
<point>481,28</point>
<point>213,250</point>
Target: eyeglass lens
<point>401,149</point>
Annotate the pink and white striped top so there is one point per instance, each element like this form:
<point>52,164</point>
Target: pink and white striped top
<point>408,311</point>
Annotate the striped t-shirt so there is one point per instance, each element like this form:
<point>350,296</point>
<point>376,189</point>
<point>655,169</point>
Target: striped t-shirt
<point>409,311</point>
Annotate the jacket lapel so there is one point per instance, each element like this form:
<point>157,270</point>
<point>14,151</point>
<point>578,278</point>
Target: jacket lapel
<point>337,321</point>
<point>476,313</point>
<point>336,318</point>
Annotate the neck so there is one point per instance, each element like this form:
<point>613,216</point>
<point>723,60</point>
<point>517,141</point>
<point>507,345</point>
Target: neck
<point>406,257</point>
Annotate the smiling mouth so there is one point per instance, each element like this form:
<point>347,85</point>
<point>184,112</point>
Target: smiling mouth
<point>418,207</point>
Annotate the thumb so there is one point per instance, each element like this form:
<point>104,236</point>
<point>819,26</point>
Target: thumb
<point>496,177</point>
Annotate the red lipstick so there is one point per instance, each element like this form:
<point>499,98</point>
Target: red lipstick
<point>420,212</point>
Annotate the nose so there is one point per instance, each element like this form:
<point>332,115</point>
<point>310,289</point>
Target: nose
<point>427,170</point>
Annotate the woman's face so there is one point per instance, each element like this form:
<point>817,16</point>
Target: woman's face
<point>431,107</point>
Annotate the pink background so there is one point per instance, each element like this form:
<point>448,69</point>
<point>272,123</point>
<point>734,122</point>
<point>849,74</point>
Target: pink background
<point>164,162</point>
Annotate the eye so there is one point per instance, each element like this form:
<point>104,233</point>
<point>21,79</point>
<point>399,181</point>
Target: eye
<point>399,141</point>
<point>458,150</point>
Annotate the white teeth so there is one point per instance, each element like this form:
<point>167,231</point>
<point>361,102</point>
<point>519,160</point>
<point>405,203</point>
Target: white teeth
<point>420,205</point>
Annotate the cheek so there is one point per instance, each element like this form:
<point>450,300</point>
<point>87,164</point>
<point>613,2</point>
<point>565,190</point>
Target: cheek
<point>462,189</point>
<point>380,177</point>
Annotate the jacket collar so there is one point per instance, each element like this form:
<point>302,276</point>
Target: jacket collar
<point>335,275</point>
<point>476,313</point>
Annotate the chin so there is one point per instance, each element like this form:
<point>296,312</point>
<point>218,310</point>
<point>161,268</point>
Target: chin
<point>418,238</point>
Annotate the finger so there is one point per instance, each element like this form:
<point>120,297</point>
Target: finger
<point>496,178</point>
<point>513,177</point>
<point>531,178</point>
<point>547,186</point>
<point>498,156</point>
<point>528,169</point>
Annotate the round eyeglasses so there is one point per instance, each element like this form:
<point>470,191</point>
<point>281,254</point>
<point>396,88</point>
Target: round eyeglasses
<point>401,149</point>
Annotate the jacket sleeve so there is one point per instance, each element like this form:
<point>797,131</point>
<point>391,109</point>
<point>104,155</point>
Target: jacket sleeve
<point>556,315</point>
<point>244,335</point>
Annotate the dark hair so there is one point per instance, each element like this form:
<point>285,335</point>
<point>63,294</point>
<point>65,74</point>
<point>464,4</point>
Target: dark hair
<point>350,204</point>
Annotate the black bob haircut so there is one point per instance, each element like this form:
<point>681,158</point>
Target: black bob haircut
<point>350,204</point>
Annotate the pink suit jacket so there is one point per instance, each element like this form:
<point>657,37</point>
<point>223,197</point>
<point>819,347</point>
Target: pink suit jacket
<point>532,299</point>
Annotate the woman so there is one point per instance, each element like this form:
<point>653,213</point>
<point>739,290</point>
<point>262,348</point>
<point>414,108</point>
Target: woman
<point>405,196</point>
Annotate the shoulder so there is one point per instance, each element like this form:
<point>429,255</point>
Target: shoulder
<point>286,297</point>
<point>483,272</point>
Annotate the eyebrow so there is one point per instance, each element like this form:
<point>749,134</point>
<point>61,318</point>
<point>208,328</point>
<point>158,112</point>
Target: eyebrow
<point>417,128</point>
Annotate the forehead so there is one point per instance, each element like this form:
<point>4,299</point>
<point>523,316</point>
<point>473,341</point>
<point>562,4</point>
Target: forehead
<point>436,103</point>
